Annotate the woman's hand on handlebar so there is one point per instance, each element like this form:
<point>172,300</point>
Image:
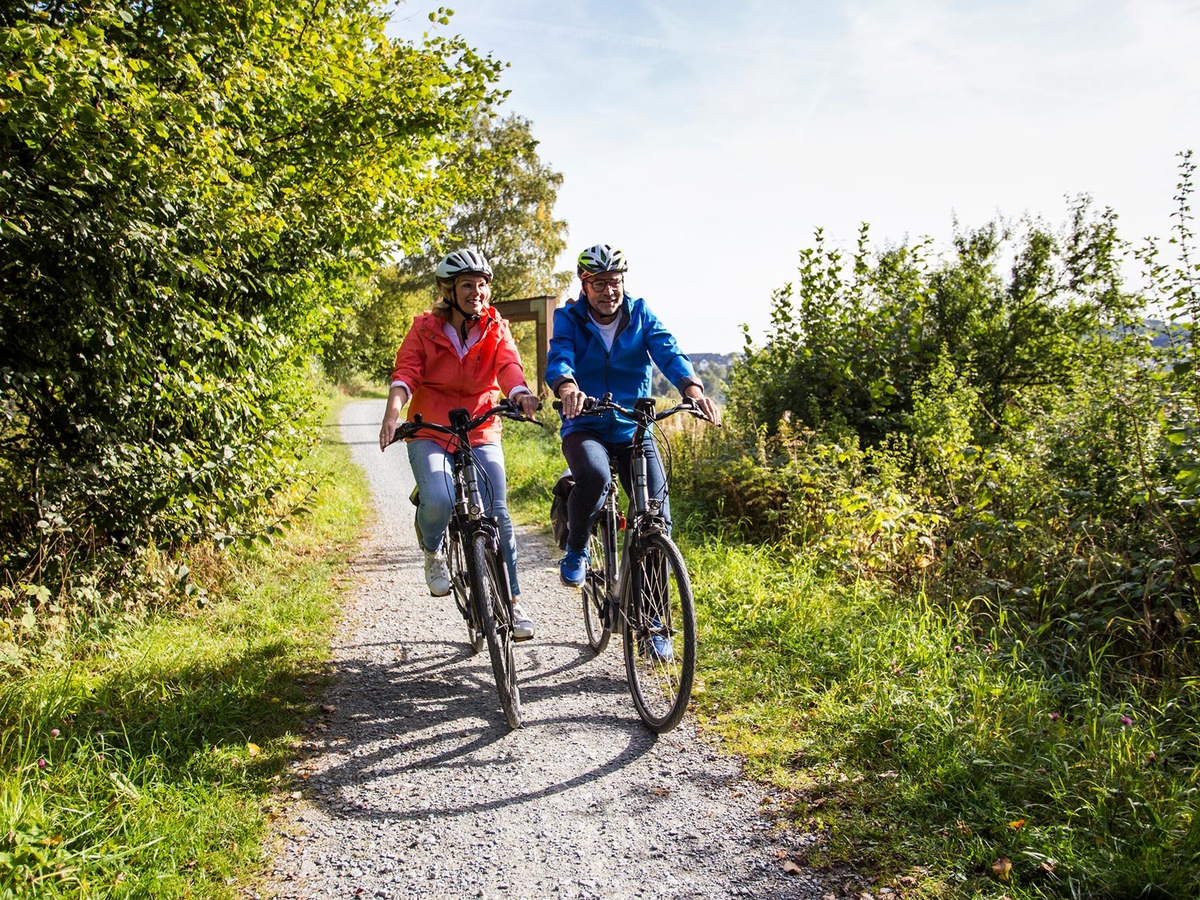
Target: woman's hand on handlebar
<point>527,404</point>
<point>387,431</point>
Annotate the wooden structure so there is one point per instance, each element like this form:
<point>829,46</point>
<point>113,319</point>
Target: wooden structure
<point>541,311</point>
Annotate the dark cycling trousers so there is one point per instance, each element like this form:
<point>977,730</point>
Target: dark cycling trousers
<point>587,457</point>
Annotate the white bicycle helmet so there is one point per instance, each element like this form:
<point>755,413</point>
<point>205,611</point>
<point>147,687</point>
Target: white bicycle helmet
<point>601,258</point>
<point>463,262</point>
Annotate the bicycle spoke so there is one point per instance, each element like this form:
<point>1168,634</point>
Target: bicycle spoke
<point>460,586</point>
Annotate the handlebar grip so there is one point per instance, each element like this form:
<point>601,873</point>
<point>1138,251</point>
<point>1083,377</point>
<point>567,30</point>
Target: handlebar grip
<point>588,403</point>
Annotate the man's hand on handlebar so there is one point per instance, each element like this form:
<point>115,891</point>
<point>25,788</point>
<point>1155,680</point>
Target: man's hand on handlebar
<point>571,400</point>
<point>708,408</point>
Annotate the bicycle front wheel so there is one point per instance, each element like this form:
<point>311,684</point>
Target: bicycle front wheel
<point>660,634</point>
<point>493,608</point>
<point>598,586</point>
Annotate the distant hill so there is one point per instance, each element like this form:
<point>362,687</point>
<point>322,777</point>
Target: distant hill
<point>711,368</point>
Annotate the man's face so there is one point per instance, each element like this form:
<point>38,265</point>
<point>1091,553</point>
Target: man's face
<point>605,292</point>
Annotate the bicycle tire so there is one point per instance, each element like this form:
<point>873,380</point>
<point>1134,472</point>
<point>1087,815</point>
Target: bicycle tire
<point>598,585</point>
<point>460,586</point>
<point>660,605</point>
<point>494,609</point>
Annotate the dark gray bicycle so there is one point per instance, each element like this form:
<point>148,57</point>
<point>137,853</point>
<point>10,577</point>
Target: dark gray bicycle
<point>643,592</point>
<point>478,576</point>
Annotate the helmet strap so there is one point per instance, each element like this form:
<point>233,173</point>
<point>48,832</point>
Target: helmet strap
<point>469,319</point>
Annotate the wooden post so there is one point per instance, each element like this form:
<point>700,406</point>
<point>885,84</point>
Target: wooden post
<point>541,311</point>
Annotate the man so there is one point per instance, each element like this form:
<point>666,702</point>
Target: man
<point>605,342</point>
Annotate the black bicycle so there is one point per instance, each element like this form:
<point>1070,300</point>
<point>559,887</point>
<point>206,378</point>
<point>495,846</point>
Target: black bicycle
<point>645,593</point>
<point>478,575</point>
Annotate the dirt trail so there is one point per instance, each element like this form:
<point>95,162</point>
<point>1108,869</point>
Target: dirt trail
<point>413,786</point>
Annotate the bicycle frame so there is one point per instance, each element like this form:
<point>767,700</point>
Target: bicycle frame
<point>649,602</point>
<point>645,512</point>
<point>479,577</point>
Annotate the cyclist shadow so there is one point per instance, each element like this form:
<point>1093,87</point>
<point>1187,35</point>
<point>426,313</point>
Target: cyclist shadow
<point>432,714</point>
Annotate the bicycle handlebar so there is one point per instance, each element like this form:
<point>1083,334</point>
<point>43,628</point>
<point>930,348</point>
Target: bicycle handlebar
<point>506,409</point>
<point>595,407</point>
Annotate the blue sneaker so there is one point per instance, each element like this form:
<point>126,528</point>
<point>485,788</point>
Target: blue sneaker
<point>573,567</point>
<point>659,646</point>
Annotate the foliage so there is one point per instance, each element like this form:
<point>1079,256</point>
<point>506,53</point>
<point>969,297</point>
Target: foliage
<point>187,193</point>
<point>504,209</point>
<point>855,341</point>
<point>981,658</point>
<point>145,761</point>
<point>1020,439</point>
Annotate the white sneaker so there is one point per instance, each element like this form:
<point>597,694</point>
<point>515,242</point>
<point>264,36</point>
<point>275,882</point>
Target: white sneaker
<point>522,624</point>
<point>437,576</point>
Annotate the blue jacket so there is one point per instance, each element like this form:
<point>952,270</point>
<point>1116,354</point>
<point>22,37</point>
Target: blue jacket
<point>577,353</point>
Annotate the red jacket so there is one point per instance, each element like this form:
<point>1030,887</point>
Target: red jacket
<point>428,363</point>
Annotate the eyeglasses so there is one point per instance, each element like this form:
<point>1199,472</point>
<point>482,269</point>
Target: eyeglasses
<point>604,284</point>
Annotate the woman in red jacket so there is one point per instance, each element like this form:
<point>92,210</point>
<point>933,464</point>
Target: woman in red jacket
<point>459,354</point>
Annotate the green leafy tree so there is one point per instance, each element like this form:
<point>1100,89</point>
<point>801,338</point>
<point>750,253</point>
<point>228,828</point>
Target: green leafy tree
<point>187,191</point>
<point>854,342</point>
<point>505,209</point>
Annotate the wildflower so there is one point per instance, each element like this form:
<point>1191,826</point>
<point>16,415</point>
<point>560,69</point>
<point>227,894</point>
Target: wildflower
<point>42,763</point>
<point>54,732</point>
<point>1054,717</point>
<point>1125,720</point>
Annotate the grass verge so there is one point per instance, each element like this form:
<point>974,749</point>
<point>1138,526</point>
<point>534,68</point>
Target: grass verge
<point>145,764</point>
<point>943,760</point>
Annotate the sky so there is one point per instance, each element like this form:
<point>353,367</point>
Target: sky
<point>710,140</point>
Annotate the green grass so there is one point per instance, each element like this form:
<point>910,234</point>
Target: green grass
<point>930,754</point>
<point>145,764</point>
<point>533,460</point>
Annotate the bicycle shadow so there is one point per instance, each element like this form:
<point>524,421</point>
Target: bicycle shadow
<point>432,714</point>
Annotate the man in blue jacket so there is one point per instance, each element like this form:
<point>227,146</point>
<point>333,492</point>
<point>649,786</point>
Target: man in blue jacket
<point>605,342</point>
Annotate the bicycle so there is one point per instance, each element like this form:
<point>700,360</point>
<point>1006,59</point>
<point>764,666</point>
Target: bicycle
<point>478,575</point>
<point>645,593</point>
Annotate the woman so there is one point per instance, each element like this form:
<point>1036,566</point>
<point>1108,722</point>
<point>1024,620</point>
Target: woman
<point>459,354</point>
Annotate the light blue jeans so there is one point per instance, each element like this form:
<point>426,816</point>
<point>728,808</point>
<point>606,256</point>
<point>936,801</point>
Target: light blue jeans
<point>433,470</point>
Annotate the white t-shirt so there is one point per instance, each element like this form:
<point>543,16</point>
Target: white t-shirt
<point>608,332</point>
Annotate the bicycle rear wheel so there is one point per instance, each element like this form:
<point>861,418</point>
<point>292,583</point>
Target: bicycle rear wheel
<point>489,588</point>
<point>460,586</point>
<point>598,584</point>
<point>660,634</point>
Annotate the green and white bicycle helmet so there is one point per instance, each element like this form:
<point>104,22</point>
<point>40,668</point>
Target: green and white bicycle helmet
<point>462,262</point>
<point>601,258</point>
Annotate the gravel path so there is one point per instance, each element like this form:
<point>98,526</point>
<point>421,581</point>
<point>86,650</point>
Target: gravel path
<point>413,786</point>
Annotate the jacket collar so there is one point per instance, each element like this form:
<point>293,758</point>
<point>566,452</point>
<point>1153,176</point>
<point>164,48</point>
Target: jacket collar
<point>584,312</point>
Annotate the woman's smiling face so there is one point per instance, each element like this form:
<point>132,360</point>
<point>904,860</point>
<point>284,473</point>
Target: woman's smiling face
<point>472,292</point>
